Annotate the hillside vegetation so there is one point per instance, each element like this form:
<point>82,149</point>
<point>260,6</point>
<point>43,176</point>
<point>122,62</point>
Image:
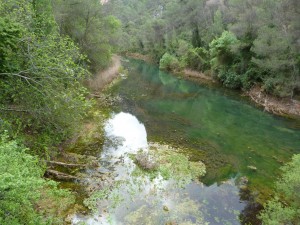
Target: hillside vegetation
<point>241,43</point>
<point>45,54</point>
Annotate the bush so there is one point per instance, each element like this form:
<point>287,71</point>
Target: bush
<point>197,59</point>
<point>169,62</point>
<point>41,73</point>
<point>230,79</point>
<point>278,86</point>
<point>22,185</point>
<point>225,61</point>
<point>221,50</point>
<point>276,213</point>
<point>285,210</point>
<point>249,78</point>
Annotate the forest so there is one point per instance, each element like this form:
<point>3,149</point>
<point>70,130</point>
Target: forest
<point>50,48</point>
<point>242,43</point>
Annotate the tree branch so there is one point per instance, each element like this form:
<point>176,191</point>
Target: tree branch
<point>14,110</point>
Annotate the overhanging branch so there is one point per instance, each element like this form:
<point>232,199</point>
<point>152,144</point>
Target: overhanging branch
<point>14,110</point>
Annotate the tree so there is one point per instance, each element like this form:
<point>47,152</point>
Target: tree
<point>224,60</point>
<point>168,62</point>
<point>40,73</point>
<point>276,48</point>
<point>265,50</point>
<point>245,19</point>
<point>276,57</point>
<point>221,51</point>
<point>86,23</point>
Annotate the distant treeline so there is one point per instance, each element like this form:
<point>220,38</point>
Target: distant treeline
<point>241,42</point>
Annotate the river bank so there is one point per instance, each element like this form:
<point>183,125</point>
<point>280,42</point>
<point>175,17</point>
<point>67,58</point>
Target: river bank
<point>103,78</point>
<point>279,106</point>
<point>79,154</point>
<point>285,107</point>
<point>139,56</point>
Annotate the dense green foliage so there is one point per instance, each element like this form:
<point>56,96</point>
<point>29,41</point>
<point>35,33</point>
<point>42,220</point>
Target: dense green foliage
<point>42,98</point>
<point>285,211</point>
<point>241,42</point>
<point>88,25</point>
<point>40,73</point>
<point>21,183</point>
<point>42,69</point>
<point>168,62</point>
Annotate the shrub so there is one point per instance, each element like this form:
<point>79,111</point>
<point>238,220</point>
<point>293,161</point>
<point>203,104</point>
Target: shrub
<point>221,50</point>
<point>276,213</point>
<point>278,86</point>
<point>197,58</point>
<point>230,79</point>
<point>169,62</point>
<point>285,210</point>
<point>249,78</point>
<point>22,185</point>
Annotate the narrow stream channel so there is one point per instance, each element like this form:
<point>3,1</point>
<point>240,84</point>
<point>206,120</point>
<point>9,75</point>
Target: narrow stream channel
<point>241,146</point>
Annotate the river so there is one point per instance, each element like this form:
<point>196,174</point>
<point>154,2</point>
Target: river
<point>241,146</point>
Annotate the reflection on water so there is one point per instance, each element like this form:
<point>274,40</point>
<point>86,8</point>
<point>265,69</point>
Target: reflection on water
<point>128,128</point>
<point>137,198</point>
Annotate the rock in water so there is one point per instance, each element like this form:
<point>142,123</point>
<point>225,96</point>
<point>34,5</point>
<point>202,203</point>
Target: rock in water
<point>165,208</point>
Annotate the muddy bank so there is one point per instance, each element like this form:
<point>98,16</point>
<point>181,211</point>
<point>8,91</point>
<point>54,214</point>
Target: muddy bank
<point>105,77</point>
<point>198,75</point>
<point>145,58</point>
<point>278,106</point>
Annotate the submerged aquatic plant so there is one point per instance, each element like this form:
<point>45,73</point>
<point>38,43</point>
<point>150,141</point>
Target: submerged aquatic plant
<point>176,165</point>
<point>151,177</point>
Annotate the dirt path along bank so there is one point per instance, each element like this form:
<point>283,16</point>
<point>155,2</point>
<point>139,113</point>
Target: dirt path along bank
<point>106,76</point>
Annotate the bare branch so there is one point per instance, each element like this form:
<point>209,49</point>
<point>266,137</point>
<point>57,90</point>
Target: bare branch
<point>14,110</point>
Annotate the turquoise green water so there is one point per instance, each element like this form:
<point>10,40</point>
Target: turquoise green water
<point>220,127</point>
<point>178,122</point>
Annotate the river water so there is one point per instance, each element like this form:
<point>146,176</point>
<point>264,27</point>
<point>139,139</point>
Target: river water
<point>235,140</point>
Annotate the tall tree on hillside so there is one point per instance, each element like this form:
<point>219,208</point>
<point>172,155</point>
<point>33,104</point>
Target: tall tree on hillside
<point>86,23</point>
<point>276,49</point>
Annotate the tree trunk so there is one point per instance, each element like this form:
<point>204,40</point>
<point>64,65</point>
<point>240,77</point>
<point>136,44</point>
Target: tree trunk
<point>66,164</point>
<point>59,175</point>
